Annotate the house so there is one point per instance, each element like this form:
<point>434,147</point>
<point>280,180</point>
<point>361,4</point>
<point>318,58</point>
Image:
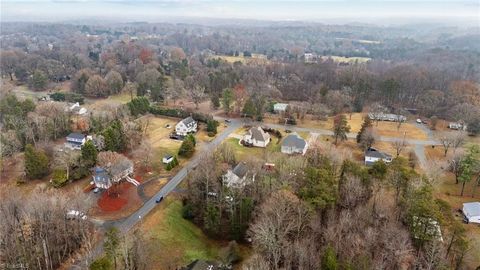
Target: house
<point>186,126</point>
<point>105,177</point>
<point>75,140</point>
<point>471,211</point>
<point>257,137</point>
<point>280,107</point>
<point>310,58</point>
<point>387,117</point>
<point>167,159</point>
<point>372,155</point>
<point>237,177</point>
<point>457,126</point>
<point>294,144</point>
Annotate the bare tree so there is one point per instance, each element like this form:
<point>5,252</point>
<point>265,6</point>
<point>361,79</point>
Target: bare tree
<point>458,139</point>
<point>399,146</point>
<point>281,220</point>
<point>446,139</point>
<point>197,94</point>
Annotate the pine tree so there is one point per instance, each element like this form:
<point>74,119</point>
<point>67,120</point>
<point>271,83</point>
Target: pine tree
<point>89,154</point>
<point>36,163</point>
<point>329,259</point>
<point>187,148</point>
<point>340,128</point>
<point>367,123</point>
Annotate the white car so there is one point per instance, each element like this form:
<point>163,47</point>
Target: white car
<point>75,214</point>
<point>419,120</point>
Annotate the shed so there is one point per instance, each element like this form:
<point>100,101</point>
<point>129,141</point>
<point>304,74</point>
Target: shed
<point>471,211</point>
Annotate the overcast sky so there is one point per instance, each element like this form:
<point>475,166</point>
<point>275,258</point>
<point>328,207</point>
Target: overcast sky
<point>162,10</point>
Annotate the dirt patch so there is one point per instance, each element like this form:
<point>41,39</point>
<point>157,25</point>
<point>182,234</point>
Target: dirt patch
<point>121,201</point>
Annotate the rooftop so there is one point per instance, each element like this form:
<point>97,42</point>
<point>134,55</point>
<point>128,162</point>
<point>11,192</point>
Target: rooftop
<point>294,140</point>
<point>240,170</point>
<point>74,135</point>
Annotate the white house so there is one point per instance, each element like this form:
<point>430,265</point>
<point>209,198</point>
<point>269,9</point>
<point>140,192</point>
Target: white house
<point>186,126</point>
<point>257,137</point>
<point>167,159</point>
<point>237,177</point>
<point>294,144</point>
<point>387,117</point>
<point>457,126</point>
<point>75,140</point>
<point>372,155</point>
<point>471,211</point>
<point>280,107</point>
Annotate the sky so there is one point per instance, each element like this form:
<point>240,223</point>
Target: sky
<point>305,10</point>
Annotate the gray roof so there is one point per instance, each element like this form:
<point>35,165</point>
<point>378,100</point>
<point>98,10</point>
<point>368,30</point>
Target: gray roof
<point>258,134</point>
<point>372,152</point>
<point>101,176</point>
<point>121,166</point>
<point>240,170</point>
<point>471,209</point>
<point>294,140</point>
<point>188,121</point>
<point>76,136</point>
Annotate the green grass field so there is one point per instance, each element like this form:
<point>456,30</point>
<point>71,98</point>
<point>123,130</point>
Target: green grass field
<point>243,152</point>
<point>178,241</point>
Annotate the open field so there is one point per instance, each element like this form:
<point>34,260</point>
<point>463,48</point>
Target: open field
<point>256,58</point>
<point>175,241</point>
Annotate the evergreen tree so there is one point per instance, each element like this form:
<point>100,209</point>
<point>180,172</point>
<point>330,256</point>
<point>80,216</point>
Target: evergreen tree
<point>212,126</point>
<point>367,123</point>
<point>114,137</point>
<point>187,148</point>
<point>227,100</point>
<point>329,259</point>
<point>39,80</point>
<point>340,128</point>
<point>469,165</point>
<point>89,154</point>
<point>249,108</point>
<point>36,163</point>
<point>139,105</point>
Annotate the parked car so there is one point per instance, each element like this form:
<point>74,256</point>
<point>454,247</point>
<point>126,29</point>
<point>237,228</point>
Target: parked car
<point>96,190</point>
<point>158,200</point>
<point>228,121</point>
<point>288,131</point>
<point>419,121</point>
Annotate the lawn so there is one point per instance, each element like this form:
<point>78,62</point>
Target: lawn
<point>256,58</point>
<point>158,136</point>
<point>174,240</point>
<point>122,97</point>
<point>243,153</point>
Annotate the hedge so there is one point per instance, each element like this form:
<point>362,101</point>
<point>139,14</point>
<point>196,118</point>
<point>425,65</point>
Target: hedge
<point>158,110</point>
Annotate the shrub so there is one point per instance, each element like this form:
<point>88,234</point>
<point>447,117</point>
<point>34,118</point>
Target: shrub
<point>59,178</point>
<point>36,163</point>
<point>211,134</point>
<point>187,148</point>
<point>158,110</point>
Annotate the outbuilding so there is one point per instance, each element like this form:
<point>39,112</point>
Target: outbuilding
<point>471,211</point>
